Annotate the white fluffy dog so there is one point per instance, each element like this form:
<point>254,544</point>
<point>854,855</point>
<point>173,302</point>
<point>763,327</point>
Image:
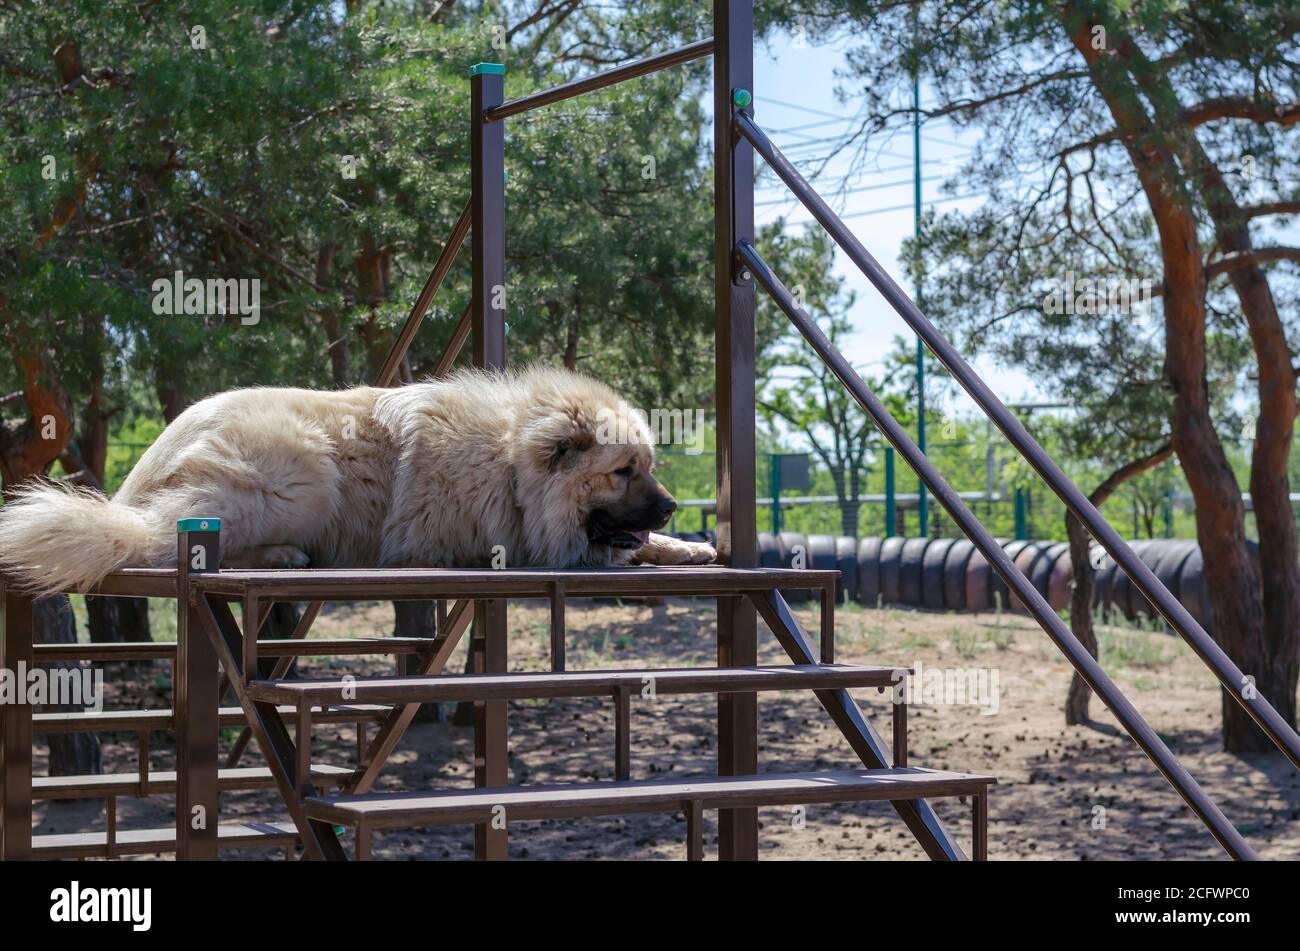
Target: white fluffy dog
<point>457,472</point>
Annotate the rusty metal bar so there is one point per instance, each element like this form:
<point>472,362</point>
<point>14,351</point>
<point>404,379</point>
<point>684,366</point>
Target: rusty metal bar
<point>1234,681</point>
<point>900,729</point>
<point>610,77</point>
<point>457,342</point>
<point>733,320</point>
<point>391,730</point>
<point>16,733</point>
<point>195,699</point>
<point>557,627</point>
<point>488,199</point>
<point>1035,603</point>
<point>980,827</point>
<point>862,736</point>
<point>623,734</point>
<point>440,268</point>
<point>694,811</point>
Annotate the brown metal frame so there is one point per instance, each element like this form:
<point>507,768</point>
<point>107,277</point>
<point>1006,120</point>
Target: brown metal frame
<point>1231,677</point>
<point>204,604</point>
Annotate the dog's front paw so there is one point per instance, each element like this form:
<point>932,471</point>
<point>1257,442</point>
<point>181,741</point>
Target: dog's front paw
<point>700,553</point>
<point>668,551</point>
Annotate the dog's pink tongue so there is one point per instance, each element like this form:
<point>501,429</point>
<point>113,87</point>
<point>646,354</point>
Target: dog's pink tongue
<point>642,537</point>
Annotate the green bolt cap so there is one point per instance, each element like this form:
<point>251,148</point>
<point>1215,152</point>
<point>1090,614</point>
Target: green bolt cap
<point>198,525</point>
<point>742,98</point>
<point>487,69</point>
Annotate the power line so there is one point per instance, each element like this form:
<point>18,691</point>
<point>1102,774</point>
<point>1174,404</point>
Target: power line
<point>906,207</point>
<point>807,109</point>
<point>862,188</point>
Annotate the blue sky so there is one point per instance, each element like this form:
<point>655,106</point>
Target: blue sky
<point>796,104</point>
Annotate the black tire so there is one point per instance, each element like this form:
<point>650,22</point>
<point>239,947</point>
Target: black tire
<point>1126,596</point>
<point>1042,573</point>
<point>890,584</point>
<point>999,593</point>
<point>846,559</point>
<point>1192,591</point>
<point>910,560</point>
<point>979,587</point>
<point>769,550</point>
<point>869,571</point>
<point>821,554</point>
<point>932,573</point>
<point>794,544</point>
<point>954,574</point>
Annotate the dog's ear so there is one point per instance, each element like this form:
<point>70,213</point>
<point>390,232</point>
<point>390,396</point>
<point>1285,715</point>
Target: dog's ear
<point>559,439</point>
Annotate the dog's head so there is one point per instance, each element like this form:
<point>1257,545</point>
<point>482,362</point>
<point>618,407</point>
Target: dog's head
<point>588,470</point>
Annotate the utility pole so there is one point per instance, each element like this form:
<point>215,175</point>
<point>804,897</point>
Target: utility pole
<point>922,508</point>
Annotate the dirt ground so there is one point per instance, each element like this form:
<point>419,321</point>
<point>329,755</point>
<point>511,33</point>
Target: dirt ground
<point>1084,793</point>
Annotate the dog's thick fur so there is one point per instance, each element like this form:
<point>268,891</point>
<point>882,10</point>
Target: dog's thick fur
<point>474,470</point>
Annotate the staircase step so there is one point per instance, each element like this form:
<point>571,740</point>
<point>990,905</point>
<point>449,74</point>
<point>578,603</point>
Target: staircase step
<point>454,806</point>
<point>165,650</point>
<point>163,782</point>
<point>383,584</point>
<point>84,845</point>
<point>586,683</point>
<point>135,721</point>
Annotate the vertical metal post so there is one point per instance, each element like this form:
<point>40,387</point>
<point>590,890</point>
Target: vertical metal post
<point>774,479</point>
<point>922,503</point>
<point>488,307</point>
<point>194,695</point>
<point>1020,514</point>
<point>733,86</point>
<point>891,511</point>
<point>16,734</point>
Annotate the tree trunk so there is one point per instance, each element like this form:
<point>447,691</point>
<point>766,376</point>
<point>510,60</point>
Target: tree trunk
<point>335,341</point>
<point>71,754</point>
<point>1231,577</point>
<point>849,509</point>
<point>418,619</point>
<point>1084,580</point>
<point>1273,646</point>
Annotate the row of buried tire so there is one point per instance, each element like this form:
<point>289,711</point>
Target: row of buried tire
<point>948,574</point>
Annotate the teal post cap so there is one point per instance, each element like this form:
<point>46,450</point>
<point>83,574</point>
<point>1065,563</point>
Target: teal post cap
<point>198,525</point>
<point>487,69</point>
<point>742,98</point>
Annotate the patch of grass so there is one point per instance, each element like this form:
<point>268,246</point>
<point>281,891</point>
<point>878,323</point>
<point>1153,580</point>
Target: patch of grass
<point>1132,648</point>
<point>964,641</point>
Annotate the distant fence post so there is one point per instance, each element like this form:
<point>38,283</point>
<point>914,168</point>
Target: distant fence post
<point>891,517</point>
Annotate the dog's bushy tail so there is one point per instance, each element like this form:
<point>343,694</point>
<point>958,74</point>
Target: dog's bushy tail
<point>59,537</point>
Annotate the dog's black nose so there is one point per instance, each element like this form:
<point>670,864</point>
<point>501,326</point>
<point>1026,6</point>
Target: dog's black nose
<point>667,506</point>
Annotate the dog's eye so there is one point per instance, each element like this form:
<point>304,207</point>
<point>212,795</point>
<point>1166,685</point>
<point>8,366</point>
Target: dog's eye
<point>625,472</point>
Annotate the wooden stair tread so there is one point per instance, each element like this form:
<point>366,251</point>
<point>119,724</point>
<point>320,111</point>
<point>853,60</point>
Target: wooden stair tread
<point>143,841</point>
<point>165,650</point>
<point>131,721</point>
<point>667,795</point>
<point>585,683</point>
<point>164,781</point>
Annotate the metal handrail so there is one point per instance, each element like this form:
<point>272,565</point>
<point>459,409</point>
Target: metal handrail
<point>1281,733</point>
<point>637,67</point>
<point>1056,629</point>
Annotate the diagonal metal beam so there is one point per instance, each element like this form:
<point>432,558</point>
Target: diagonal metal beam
<point>399,718</point>
<point>1234,681</point>
<point>318,838</point>
<point>862,736</point>
<point>282,665</point>
<point>407,334</point>
<point>1133,722</point>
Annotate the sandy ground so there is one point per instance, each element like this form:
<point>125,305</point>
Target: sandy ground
<point>1083,793</point>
